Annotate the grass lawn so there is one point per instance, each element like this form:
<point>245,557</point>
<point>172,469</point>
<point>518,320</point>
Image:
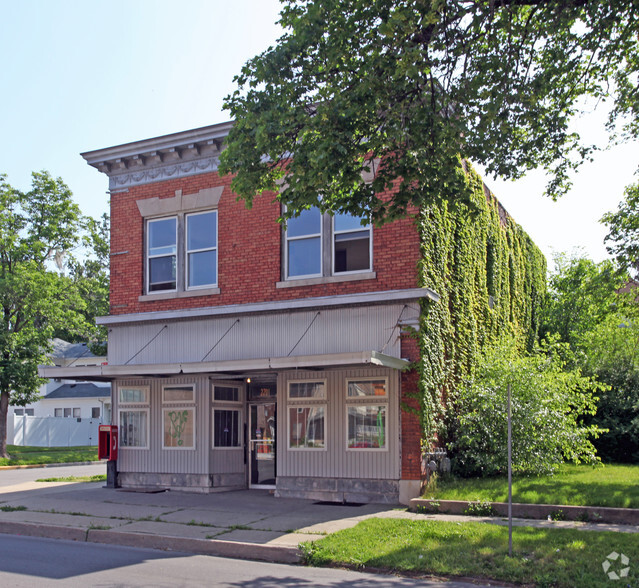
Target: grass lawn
<point>543,557</point>
<point>604,485</point>
<point>96,478</point>
<point>39,455</point>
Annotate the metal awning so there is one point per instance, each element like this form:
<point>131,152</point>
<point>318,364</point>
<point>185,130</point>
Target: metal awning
<point>112,372</point>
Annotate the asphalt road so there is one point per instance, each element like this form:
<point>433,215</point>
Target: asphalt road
<point>28,561</point>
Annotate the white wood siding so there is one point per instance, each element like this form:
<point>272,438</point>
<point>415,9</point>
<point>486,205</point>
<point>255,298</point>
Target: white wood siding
<point>336,461</point>
<point>155,459</point>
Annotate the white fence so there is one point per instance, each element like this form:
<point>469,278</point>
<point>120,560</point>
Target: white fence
<point>54,431</point>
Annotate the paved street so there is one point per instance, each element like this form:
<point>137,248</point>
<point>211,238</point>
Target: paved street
<point>28,561</point>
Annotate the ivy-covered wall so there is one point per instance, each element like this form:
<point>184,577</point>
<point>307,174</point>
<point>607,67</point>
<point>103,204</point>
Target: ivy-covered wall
<point>491,278</point>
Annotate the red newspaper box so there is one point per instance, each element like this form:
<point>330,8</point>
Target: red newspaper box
<point>108,442</point>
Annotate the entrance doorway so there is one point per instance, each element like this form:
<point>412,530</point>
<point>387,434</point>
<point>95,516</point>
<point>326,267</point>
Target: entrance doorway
<point>262,435</point>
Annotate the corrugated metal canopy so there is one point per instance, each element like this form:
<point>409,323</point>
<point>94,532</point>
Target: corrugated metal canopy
<point>231,367</point>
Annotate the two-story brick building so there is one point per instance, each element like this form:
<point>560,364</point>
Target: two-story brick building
<point>246,354</point>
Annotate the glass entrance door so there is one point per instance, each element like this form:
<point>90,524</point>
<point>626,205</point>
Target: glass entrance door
<point>262,429</point>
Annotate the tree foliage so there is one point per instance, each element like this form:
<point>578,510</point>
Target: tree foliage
<point>581,295</point>
<point>36,228</point>
<point>586,309</point>
<point>623,230</point>
<point>406,88</point>
<point>90,275</point>
<point>548,403</point>
<point>610,352</point>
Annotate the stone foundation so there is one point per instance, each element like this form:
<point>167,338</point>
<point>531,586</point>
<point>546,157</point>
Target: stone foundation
<point>339,489</point>
<point>185,482</point>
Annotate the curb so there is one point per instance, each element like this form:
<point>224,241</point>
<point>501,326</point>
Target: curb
<point>232,549</point>
<point>46,465</point>
<point>38,530</point>
<point>593,514</point>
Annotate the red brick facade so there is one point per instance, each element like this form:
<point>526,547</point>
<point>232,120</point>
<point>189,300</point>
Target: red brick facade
<point>249,252</point>
<point>411,433</point>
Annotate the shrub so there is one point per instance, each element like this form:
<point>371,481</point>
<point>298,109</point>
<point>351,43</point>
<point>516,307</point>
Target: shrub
<point>548,404</point>
<point>480,508</point>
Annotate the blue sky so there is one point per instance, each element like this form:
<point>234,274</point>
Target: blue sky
<point>82,75</point>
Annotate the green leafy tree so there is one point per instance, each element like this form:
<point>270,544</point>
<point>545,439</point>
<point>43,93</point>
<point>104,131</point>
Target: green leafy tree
<point>35,227</point>
<point>405,89</point>
<point>549,401</point>
<point>610,352</point>
<point>586,309</point>
<point>90,275</point>
<point>623,230</point>
<point>581,295</point>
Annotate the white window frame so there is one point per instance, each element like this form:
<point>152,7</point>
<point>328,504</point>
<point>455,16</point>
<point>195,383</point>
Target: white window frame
<point>368,401</point>
<point>181,387</point>
<point>240,437</point>
<point>373,398</point>
<point>188,251</point>
<point>335,232</point>
<point>327,247</point>
<point>179,407</point>
<point>148,255</point>
<point>312,399</point>
<point>304,403</point>
<point>145,389</point>
<point>302,238</point>
<point>134,408</point>
<point>235,405</point>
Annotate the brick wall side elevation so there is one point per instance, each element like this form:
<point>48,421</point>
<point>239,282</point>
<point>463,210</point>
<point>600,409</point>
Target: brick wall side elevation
<point>249,252</point>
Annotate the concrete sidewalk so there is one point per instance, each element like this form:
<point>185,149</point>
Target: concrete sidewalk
<point>247,524</point>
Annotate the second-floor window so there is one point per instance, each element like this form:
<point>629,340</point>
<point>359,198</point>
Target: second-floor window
<point>323,245</point>
<point>162,254</point>
<point>182,252</point>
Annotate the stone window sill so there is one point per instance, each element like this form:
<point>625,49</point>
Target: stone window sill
<point>172,295</point>
<point>327,280</point>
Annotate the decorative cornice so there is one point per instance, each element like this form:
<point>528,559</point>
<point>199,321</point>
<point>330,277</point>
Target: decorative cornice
<point>160,173</point>
<point>162,158</point>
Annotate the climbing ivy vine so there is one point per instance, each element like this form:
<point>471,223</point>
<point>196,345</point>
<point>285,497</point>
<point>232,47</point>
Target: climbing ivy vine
<point>491,280</point>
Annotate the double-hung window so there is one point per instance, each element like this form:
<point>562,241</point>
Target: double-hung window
<point>162,254</point>
<point>320,245</point>
<point>304,244</point>
<point>201,249</point>
<point>351,244</point>
<point>182,252</point>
